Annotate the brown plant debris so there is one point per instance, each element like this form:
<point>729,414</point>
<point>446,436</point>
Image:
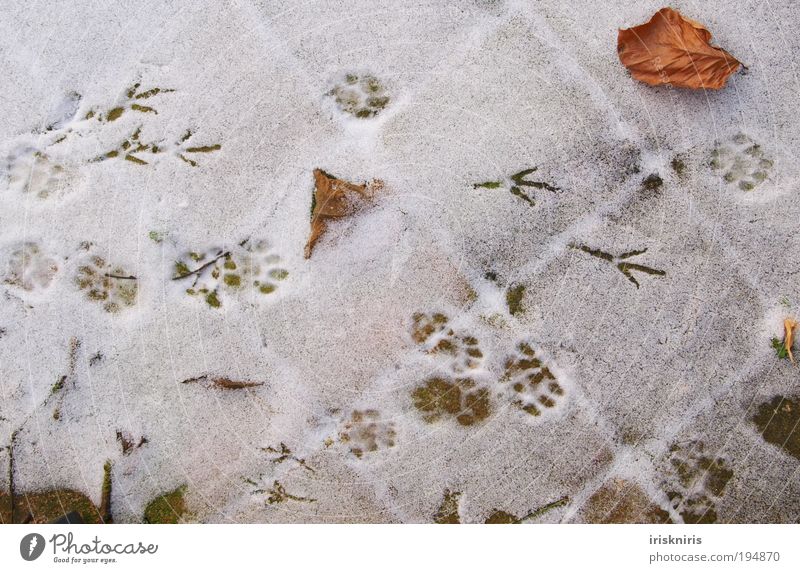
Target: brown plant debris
<point>498,516</point>
<point>461,399</point>
<point>221,382</point>
<point>789,324</point>
<point>448,510</point>
<point>333,199</point>
<point>673,50</point>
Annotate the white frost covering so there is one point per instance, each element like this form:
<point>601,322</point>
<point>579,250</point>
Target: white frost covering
<point>479,90</point>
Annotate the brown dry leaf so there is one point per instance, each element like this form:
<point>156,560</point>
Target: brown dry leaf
<point>674,50</point>
<point>222,382</point>
<point>335,198</point>
<point>789,324</point>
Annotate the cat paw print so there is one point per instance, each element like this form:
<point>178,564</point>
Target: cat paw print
<point>742,162</point>
<point>218,273</point>
<point>110,285</point>
<point>529,384</point>
<point>366,431</point>
<point>30,268</point>
<point>33,172</point>
<point>695,481</point>
<point>362,96</point>
<point>135,100</point>
<point>461,399</point>
<point>432,333</point>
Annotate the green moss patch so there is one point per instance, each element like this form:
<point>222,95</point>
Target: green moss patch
<point>166,508</point>
<point>778,421</point>
<point>448,510</point>
<point>460,399</point>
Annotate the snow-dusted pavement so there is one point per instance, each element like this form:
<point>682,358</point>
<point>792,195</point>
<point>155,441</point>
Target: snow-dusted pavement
<point>476,343</point>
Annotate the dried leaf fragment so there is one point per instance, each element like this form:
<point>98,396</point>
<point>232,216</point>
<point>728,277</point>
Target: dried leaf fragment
<point>335,198</point>
<point>223,382</point>
<point>789,324</point>
<point>673,50</point>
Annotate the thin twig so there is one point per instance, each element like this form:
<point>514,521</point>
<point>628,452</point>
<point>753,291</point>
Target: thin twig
<point>545,508</point>
<point>199,270</point>
<point>11,471</point>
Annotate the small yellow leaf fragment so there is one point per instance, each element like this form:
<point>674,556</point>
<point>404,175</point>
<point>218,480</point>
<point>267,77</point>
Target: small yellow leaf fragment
<point>789,324</point>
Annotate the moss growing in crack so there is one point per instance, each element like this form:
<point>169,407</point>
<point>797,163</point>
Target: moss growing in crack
<point>652,182</point>
<point>59,385</point>
<point>448,510</point>
<point>514,297</point>
<point>499,516</point>
<point>460,399</point>
<point>169,507</point>
<point>695,481</point>
<point>232,280</point>
<point>780,348</point>
<point>213,300</point>
<point>778,421</point>
<point>43,507</point>
<point>47,506</point>
<point>621,501</point>
<point>105,496</point>
<point>678,165</point>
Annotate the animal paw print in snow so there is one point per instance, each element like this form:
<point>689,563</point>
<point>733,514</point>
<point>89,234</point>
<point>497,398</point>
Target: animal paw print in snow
<point>248,267</point>
<point>365,431</point>
<point>29,268</point>
<point>263,268</point>
<point>462,399</point>
<point>741,161</point>
<point>112,286</point>
<point>361,96</point>
<point>694,482</point>
<point>431,332</point>
<point>32,171</point>
<point>533,387</point>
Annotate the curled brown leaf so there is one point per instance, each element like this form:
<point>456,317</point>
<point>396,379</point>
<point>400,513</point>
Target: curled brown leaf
<point>673,50</point>
<point>335,198</point>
